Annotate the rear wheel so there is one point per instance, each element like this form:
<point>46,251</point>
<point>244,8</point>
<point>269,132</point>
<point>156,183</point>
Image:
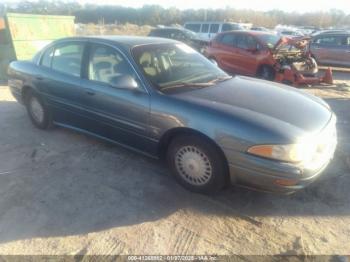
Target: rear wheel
<point>266,72</point>
<point>37,111</point>
<point>197,164</point>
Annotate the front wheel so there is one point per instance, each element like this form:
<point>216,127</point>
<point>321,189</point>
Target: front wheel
<point>37,111</point>
<point>197,164</point>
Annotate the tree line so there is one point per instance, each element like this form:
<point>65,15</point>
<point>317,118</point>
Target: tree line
<point>154,14</point>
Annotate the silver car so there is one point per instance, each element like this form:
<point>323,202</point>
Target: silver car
<point>331,48</point>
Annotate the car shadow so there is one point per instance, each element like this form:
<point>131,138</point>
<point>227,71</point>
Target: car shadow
<point>60,182</point>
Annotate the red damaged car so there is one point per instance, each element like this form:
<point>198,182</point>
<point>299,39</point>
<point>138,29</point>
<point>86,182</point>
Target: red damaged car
<point>262,54</point>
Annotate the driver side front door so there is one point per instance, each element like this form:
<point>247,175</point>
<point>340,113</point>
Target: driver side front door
<point>120,113</point>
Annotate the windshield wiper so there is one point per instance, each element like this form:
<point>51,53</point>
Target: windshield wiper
<point>204,84</point>
<point>185,84</point>
<point>220,79</point>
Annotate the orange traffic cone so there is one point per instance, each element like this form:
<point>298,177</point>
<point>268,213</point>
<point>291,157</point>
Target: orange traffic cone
<point>328,77</point>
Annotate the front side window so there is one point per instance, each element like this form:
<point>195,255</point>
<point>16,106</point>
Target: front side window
<point>269,40</point>
<point>67,58</point>
<point>107,66</point>
<point>169,66</point>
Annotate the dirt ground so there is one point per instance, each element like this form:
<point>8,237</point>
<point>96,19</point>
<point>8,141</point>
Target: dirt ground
<point>62,192</point>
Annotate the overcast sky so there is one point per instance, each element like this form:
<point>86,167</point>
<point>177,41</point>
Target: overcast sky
<point>286,5</point>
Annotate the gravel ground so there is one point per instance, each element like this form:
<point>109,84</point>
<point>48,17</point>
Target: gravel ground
<point>62,192</point>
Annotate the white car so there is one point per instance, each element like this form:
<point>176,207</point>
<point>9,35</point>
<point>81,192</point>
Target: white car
<point>208,30</point>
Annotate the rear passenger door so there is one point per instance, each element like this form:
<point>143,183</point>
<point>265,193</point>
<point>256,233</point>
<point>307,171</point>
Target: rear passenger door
<point>119,113</point>
<point>59,81</point>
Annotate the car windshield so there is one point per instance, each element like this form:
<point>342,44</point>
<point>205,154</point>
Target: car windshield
<point>169,66</point>
<point>269,39</point>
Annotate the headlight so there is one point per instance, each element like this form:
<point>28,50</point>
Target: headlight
<point>302,152</point>
<point>312,152</point>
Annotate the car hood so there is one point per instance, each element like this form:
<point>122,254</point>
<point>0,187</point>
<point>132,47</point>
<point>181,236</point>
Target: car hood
<point>269,103</point>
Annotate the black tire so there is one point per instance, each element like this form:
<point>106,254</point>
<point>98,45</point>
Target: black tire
<point>204,155</point>
<point>266,72</point>
<point>43,122</point>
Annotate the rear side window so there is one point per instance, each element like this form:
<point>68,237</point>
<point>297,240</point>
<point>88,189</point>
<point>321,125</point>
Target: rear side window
<point>67,58</point>
<point>47,57</point>
<point>214,28</point>
<point>193,27</point>
<point>205,28</point>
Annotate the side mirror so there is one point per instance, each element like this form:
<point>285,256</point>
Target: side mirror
<point>124,82</point>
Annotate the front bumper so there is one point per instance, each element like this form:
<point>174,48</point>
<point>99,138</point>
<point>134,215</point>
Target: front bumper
<point>266,175</point>
<point>282,177</point>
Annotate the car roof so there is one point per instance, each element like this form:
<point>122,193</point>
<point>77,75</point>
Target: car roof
<point>126,41</point>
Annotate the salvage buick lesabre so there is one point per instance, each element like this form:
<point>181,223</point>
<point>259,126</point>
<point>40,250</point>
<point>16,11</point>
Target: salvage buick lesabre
<point>162,98</point>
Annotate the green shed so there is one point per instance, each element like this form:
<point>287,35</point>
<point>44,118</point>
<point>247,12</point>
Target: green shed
<point>22,35</point>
